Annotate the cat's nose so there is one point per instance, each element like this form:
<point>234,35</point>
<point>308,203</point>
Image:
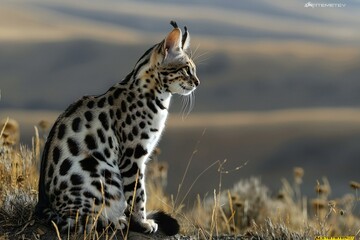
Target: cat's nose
<point>196,81</point>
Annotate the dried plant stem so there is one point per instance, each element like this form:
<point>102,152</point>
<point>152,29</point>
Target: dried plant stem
<point>132,204</point>
<point>56,229</point>
<point>3,129</point>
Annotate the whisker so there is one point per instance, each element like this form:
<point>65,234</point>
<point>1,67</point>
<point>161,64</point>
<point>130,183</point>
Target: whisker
<point>198,57</point>
<point>193,54</point>
<point>184,105</point>
<point>188,105</point>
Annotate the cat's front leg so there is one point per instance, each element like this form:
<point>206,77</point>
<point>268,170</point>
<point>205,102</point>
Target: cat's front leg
<point>134,189</point>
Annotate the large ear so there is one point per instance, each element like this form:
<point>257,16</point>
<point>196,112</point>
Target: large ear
<point>186,40</point>
<point>173,42</point>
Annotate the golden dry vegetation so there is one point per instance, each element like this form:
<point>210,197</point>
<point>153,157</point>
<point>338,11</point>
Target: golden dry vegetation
<point>246,211</point>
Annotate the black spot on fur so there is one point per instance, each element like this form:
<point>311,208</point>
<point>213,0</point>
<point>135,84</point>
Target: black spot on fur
<point>76,179</point>
<point>144,136</point>
<point>88,116</point>
<point>89,164</point>
<point>140,103</point>
<point>111,113</point>
<point>73,146</point>
<point>124,137</point>
<point>65,167</point>
<point>135,131</point>
<point>90,142</point>
<point>76,124</point>
<point>111,145</point>
<point>142,125</point>
<point>129,99</point>
<point>111,100</point>
<point>152,107</point>
<point>129,152</point>
<point>101,135</point>
<point>90,104</point>
<point>117,93</point>
<point>139,151</point>
<point>130,137</point>
<point>101,102</point>
<point>61,131</point>
<point>56,155</point>
<point>128,120</point>
<point>104,120</point>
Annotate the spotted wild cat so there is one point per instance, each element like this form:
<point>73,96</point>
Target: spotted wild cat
<point>97,150</point>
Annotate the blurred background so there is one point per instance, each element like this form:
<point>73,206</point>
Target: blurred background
<point>279,81</point>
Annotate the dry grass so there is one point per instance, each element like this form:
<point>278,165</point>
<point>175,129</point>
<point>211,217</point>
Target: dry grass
<point>246,211</point>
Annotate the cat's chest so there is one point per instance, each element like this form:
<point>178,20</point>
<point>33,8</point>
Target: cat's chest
<point>156,126</point>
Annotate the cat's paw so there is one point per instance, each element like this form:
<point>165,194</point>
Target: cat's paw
<point>122,223</point>
<point>149,225</point>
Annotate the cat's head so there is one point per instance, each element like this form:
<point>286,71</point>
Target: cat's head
<point>176,69</point>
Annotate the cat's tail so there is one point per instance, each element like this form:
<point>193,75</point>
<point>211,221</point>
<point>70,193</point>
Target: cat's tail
<point>166,224</point>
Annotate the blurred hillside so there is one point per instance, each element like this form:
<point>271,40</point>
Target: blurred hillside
<point>259,55</point>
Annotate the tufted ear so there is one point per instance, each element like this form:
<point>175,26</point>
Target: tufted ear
<point>186,40</point>
<point>172,43</point>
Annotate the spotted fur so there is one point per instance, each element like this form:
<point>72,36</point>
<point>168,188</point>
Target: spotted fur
<point>96,153</point>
